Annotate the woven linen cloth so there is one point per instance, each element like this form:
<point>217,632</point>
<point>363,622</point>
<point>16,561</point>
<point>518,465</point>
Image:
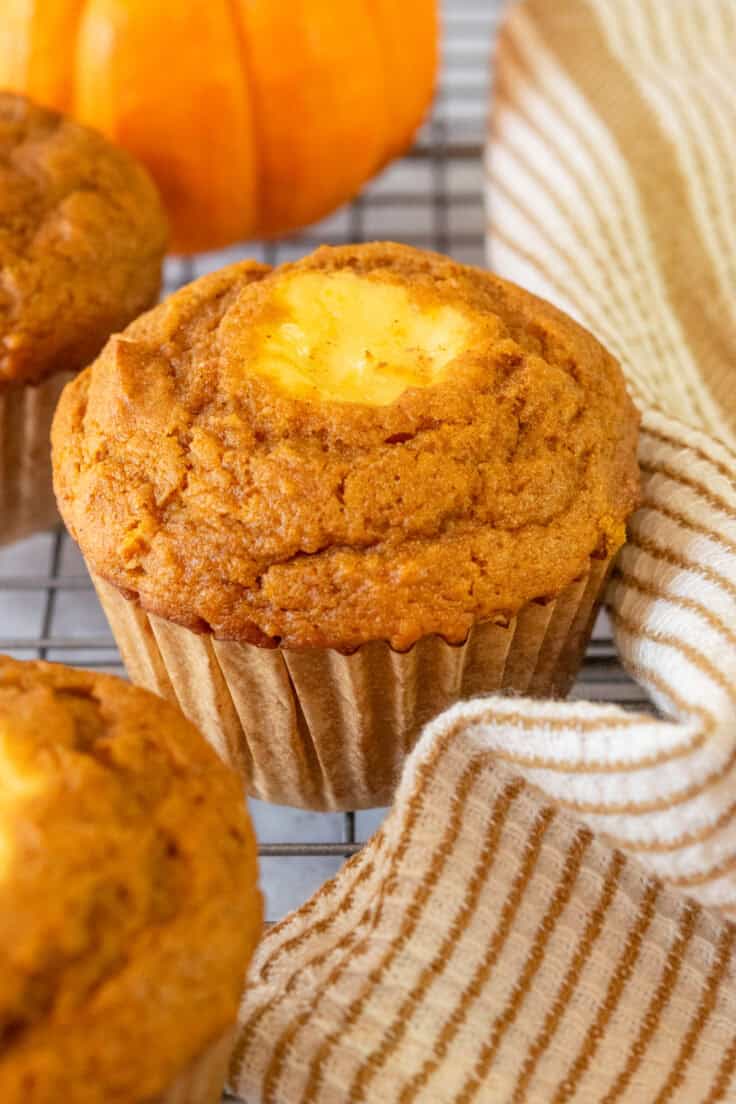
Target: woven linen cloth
<point>543,915</point>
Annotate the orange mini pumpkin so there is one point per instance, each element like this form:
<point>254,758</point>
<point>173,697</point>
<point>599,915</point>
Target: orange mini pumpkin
<point>255,116</point>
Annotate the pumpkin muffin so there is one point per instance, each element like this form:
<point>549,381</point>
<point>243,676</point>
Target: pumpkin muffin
<point>128,899</point>
<point>324,501</point>
<point>82,238</point>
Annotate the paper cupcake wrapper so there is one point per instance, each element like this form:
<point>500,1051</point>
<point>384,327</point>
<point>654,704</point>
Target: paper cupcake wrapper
<point>203,1081</point>
<point>322,730</point>
<point>27,501</point>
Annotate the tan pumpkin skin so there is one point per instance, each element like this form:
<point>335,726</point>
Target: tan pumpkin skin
<point>255,116</point>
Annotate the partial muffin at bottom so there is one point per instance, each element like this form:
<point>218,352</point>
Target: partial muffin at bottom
<point>129,905</point>
<point>326,500</point>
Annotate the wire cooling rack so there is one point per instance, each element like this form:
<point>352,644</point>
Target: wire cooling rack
<point>430,198</point>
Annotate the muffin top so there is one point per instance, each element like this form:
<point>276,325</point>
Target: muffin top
<point>371,443</point>
<point>82,237</point>
<point>128,905</point>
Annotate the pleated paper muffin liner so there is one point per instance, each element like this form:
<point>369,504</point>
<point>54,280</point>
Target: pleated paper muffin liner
<point>321,730</point>
<point>204,1079</point>
<point>27,502</point>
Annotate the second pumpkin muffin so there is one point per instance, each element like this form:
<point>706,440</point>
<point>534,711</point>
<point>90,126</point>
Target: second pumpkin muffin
<point>82,239</point>
<point>324,501</point>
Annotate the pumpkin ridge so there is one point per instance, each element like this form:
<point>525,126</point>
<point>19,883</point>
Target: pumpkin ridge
<point>241,37</point>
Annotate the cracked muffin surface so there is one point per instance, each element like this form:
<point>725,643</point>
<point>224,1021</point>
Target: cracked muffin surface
<point>128,899</point>
<point>82,239</point>
<point>372,443</point>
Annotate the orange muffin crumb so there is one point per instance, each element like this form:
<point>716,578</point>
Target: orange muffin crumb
<point>128,900</point>
<point>372,443</point>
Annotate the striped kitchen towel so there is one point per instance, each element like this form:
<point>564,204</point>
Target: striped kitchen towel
<point>543,917</point>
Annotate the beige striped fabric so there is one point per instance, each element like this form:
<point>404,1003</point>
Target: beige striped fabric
<point>544,916</point>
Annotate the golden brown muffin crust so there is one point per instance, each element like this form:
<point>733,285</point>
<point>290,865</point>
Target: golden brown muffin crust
<point>223,503</point>
<point>82,238</point>
<point>128,906</point>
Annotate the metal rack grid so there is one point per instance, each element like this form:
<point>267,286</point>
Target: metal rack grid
<point>430,198</point>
